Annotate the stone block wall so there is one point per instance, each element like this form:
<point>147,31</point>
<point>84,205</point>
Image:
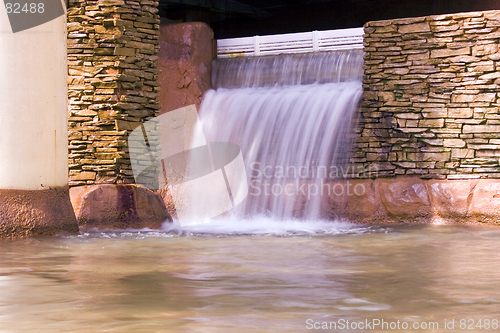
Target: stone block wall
<point>431,97</point>
<point>112,84</point>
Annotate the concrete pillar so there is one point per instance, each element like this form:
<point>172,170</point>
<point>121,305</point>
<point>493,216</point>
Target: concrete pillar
<point>34,195</point>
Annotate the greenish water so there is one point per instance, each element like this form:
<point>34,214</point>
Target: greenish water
<point>192,281</point>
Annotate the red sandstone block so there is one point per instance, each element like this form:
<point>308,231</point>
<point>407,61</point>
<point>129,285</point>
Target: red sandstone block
<point>404,198</point>
<point>111,206</point>
<point>451,198</point>
<point>485,204</point>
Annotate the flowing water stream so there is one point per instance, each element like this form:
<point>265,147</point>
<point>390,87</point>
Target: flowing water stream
<point>292,116</point>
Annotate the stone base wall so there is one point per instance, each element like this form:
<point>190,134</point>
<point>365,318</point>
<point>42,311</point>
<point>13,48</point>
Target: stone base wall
<point>112,84</point>
<point>412,200</point>
<point>431,101</point>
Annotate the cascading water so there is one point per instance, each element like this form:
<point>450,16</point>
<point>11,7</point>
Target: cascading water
<point>292,116</point>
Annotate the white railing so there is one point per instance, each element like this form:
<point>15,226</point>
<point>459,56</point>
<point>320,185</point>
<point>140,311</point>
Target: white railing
<point>330,40</point>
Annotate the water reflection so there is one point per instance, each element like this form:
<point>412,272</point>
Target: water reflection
<point>162,282</point>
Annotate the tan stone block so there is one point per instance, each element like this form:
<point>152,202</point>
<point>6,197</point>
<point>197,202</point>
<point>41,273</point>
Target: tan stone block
<point>105,98</point>
<point>123,23</point>
<point>495,56</point>
<point>407,115</point>
<point>433,142</point>
<point>74,134</point>
<point>412,123</point>
<point>141,46</point>
<point>463,98</point>
<point>462,153</point>
<point>384,29</point>
<point>454,143</point>
<point>413,130</point>
<point>467,15</point>
<point>487,153</point>
<point>435,112</point>
<point>409,20</point>
<point>398,71</point>
<point>431,122</point>
<point>419,56</point>
<point>84,113</point>
<point>424,156</point>
<point>460,113</point>
<point>444,53</point>
<point>105,85</point>
<point>107,156</point>
<point>482,66</point>
<point>482,50</point>
<point>100,29</point>
<point>465,59</point>
<point>124,51</point>
<point>86,175</point>
<point>441,28</point>
<point>481,128</point>
<point>493,15</point>
<point>429,105</point>
<point>490,76</point>
<point>370,95</point>
<point>415,27</point>
<point>128,106</point>
<point>105,91</point>
<point>82,71</point>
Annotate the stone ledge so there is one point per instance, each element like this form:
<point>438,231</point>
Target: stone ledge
<point>402,200</point>
<point>111,206</point>
<point>412,200</point>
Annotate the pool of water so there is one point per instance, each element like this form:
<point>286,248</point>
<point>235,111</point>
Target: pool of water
<point>262,276</point>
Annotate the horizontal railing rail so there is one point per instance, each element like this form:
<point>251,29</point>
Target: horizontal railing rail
<point>329,40</point>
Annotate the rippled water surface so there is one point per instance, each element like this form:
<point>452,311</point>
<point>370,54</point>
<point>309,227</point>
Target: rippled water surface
<point>258,277</point>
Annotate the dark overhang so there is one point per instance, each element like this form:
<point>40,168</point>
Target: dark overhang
<point>237,18</point>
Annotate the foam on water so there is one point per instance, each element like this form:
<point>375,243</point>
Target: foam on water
<point>234,225</point>
<point>263,225</point>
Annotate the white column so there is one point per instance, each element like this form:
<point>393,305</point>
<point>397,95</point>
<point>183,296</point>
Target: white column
<point>33,105</point>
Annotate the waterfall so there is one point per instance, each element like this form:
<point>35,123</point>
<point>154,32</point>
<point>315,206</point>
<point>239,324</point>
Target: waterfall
<point>292,116</point>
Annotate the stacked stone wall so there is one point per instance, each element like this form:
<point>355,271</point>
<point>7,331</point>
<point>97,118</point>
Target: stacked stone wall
<point>431,97</point>
<point>112,84</point>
